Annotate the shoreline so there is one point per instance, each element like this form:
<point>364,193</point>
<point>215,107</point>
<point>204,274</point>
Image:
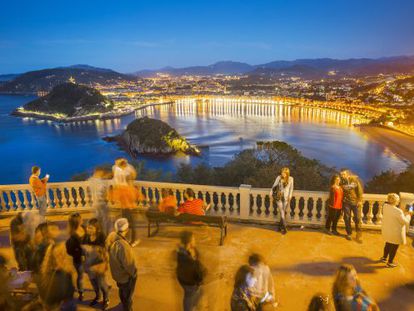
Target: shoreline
<point>398,142</point>
<point>107,116</point>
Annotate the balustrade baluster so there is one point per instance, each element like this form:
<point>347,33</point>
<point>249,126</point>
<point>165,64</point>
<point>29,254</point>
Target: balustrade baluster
<point>10,203</point>
<point>254,206</point>
<point>370,214</point>
<point>379,215</point>
<point>18,202</point>
<point>25,200</point>
<point>2,201</point>
<point>77,201</point>
<point>55,198</point>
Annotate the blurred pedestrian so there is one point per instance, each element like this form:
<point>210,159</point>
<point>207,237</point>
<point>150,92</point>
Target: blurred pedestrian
<point>347,292</point>
<point>242,298</point>
<point>20,242</point>
<point>58,275</point>
<point>99,189</point>
<point>264,288</point>
<point>190,271</point>
<point>74,248</point>
<point>96,261</point>
<point>125,195</point>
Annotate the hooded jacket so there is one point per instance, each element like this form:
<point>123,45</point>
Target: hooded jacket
<point>121,258</point>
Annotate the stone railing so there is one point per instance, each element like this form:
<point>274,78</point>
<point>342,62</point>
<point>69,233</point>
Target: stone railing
<point>242,203</point>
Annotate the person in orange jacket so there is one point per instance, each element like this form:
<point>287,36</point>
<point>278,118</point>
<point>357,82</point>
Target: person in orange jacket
<point>39,189</point>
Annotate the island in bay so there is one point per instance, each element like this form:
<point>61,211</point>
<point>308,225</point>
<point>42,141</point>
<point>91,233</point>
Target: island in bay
<point>152,136</point>
<point>69,102</point>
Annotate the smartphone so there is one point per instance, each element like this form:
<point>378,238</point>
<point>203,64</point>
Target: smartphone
<point>47,176</point>
<point>411,208</point>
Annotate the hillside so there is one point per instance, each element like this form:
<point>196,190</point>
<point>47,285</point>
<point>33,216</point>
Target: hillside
<point>312,68</point>
<point>70,100</point>
<point>47,79</point>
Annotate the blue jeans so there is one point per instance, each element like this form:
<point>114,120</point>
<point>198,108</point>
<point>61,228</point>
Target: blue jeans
<point>282,207</point>
<point>351,210</point>
<point>192,294</point>
<point>42,205</point>
<point>126,292</point>
<point>99,284</point>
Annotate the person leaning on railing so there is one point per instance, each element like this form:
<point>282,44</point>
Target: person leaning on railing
<point>282,192</point>
<point>395,222</point>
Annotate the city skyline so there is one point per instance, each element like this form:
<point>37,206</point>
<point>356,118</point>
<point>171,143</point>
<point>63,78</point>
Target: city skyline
<point>133,36</point>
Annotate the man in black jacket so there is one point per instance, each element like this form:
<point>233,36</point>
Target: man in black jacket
<point>190,271</point>
<point>352,203</point>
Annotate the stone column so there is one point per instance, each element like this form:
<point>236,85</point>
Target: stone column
<point>244,191</point>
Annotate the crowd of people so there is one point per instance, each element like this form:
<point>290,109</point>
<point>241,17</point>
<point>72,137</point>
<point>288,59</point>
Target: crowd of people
<point>57,262</point>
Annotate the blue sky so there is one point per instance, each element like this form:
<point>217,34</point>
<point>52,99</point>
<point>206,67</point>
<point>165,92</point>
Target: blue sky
<point>131,35</point>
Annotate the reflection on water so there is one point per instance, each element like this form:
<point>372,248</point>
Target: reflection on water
<point>225,127</point>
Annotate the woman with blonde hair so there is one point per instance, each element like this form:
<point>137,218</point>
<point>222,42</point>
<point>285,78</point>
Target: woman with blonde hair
<point>58,277</point>
<point>347,292</point>
<point>281,192</point>
<point>394,227</point>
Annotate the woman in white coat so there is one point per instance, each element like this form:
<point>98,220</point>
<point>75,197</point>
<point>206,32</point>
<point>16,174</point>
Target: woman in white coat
<point>282,191</point>
<point>395,223</point>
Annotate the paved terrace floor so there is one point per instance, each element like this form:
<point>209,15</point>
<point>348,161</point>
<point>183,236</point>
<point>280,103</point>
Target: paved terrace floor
<point>303,262</point>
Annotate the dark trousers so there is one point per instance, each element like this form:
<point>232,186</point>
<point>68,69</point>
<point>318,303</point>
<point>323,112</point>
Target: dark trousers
<point>22,254</point>
<point>99,284</point>
<point>333,217</point>
<point>126,292</point>
<point>129,214</point>
<point>192,295</point>
<point>79,277</point>
<point>351,210</point>
<point>390,250</point>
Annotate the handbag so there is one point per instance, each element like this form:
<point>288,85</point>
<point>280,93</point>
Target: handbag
<point>277,192</point>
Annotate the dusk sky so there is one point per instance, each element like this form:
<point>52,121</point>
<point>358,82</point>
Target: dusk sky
<point>131,35</point>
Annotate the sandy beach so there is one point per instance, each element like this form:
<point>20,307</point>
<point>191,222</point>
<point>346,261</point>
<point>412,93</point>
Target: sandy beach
<point>398,142</point>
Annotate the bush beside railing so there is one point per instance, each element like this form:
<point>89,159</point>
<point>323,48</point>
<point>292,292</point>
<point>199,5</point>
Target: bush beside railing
<point>238,203</point>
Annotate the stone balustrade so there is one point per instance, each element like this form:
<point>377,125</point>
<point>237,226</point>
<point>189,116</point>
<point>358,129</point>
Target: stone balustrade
<point>242,203</point>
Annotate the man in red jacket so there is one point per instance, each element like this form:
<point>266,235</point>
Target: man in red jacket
<point>192,205</point>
